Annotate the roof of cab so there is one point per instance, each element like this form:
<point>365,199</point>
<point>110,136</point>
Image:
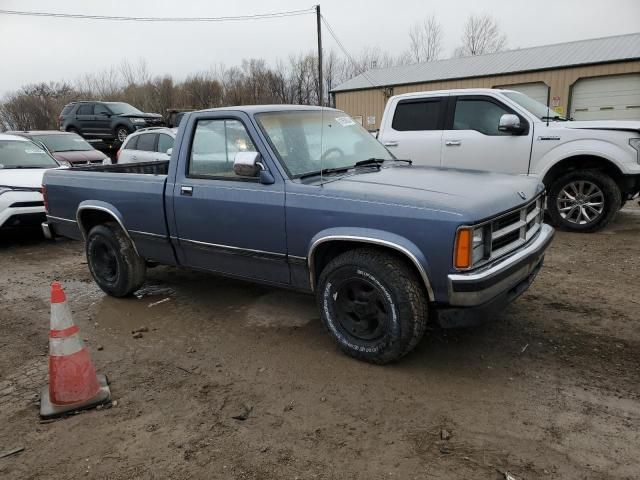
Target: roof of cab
<point>254,109</point>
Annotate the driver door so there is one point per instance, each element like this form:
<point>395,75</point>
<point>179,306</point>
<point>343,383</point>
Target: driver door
<point>227,223</point>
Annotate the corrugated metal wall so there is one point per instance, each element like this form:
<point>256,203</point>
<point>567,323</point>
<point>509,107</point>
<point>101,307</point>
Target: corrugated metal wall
<point>370,103</point>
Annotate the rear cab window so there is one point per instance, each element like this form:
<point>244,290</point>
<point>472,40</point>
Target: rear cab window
<point>418,114</point>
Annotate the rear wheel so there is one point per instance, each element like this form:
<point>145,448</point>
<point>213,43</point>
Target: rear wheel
<point>113,262</point>
<point>583,200</point>
<point>121,134</point>
<point>372,304</point>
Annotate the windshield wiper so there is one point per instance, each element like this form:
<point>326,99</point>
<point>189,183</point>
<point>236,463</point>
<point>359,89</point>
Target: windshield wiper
<point>375,162</point>
<point>324,171</point>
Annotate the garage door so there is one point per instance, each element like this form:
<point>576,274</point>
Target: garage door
<point>607,98</point>
<point>537,91</point>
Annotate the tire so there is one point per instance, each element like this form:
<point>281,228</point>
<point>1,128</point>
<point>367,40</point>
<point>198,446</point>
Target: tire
<point>121,134</point>
<point>73,130</point>
<point>113,262</point>
<point>583,200</point>
<point>372,304</point>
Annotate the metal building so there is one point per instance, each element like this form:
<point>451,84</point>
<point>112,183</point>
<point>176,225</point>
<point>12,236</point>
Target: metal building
<point>590,79</point>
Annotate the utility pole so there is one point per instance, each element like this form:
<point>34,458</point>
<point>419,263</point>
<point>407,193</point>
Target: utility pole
<point>320,79</point>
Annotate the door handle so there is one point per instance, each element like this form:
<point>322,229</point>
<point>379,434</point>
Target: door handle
<point>453,143</point>
<point>186,190</point>
<point>390,144</point>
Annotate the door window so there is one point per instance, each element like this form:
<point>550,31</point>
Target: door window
<point>415,115</point>
<point>147,142</point>
<point>99,109</point>
<point>215,144</point>
<point>85,110</point>
<point>165,142</point>
<point>480,115</point>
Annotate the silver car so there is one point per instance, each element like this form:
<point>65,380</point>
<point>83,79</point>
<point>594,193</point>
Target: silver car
<point>147,145</point>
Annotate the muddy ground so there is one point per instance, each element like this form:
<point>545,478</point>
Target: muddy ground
<point>551,389</point>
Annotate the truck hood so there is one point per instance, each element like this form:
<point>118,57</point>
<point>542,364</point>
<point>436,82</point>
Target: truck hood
<point>471,194</point>
<point>79,156</point>
<point>27,178</point>
<point>626,125</point>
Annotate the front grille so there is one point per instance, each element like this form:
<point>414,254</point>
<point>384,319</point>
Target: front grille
<point>510,231</point>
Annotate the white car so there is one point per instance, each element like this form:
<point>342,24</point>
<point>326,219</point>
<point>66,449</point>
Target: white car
<point>151,144</point>
<point>590,168</point>
<point>22,165</point>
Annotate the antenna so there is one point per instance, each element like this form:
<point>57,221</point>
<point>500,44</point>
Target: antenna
<point>548,106</point>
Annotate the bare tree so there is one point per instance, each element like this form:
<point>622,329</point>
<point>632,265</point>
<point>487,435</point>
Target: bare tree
<point>481,35</point>
<point>425,40</point>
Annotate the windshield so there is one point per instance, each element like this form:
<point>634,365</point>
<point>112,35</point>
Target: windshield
<point>309,141</point>
<point>538,109</point>
<point>19,154</point>
<point>119,108</point>
<point>63,142</point>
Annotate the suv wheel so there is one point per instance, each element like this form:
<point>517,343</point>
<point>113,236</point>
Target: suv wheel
<point>372,304</point>
<point>113,262</point>
<point>73,130</point>
<point>583,201</point>
<point>121,134</point>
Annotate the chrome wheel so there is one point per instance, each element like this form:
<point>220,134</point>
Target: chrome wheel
<point>580,202</point>
<point>122,135</point>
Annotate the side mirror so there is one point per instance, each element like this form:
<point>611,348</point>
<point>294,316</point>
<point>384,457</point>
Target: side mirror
<point>246,164</point>
<point>510,123</point>
<point>169,151</point>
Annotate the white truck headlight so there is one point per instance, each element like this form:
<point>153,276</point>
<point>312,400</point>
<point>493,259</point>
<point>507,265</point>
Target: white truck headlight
<point>470,247</point>
<point>635,143</point>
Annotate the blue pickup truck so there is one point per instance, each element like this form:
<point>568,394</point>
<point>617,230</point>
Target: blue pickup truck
<point>305,198</point>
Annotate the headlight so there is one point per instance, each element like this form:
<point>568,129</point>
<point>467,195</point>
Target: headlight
<point>635,143</point>
<point>106,161</point>
<point>138,120</point>
<point>64,163</point>
<point>470,247</point>
<point>4,190</point>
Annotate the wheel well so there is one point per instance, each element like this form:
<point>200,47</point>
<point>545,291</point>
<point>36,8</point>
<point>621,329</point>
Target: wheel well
<point>584,162</point>
<point>89,218</point>
<point>327,251</point>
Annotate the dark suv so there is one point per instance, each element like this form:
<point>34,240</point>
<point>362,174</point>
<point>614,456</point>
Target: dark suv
<point>110,121</point>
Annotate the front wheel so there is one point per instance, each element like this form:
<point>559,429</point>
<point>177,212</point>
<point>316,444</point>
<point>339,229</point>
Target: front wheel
<point>113,262</point>
<point>372,304</point>
<point>583,200</point>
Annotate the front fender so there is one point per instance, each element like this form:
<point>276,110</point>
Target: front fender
<point>595,148</point>
<point>372,237</point>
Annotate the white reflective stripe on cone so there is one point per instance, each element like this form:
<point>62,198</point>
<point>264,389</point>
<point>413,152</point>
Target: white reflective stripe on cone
<point>59,347</point>
<point>60,316</point>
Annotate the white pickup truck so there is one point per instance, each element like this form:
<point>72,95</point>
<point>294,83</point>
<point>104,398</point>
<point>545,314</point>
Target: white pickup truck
<point>590,169</point>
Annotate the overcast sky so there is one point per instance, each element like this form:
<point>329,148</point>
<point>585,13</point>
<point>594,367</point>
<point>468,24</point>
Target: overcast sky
<point>45,49</point>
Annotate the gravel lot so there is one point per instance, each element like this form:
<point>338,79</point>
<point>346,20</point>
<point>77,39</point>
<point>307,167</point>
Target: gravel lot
<point>551,389</point>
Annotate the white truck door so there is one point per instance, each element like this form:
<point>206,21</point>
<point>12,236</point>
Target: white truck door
<point>472,139</point>
<point>412,128</point>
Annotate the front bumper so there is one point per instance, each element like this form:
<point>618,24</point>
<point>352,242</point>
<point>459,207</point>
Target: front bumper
<point>477,295</point>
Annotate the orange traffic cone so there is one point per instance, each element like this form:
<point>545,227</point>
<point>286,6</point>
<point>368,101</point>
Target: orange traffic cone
<point>73,383</point>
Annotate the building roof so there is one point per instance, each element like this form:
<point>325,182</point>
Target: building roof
<point>559,55</point>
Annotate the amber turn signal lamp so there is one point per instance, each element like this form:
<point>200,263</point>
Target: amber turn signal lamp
<point>462,257</point>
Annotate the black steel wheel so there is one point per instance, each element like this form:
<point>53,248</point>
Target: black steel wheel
<point>372,304</point>
<point>113,261</point>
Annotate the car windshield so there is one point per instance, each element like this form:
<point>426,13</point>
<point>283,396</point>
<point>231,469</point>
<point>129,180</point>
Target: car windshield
<point>23,154</point>
<point>310,141</point>
<point>119,108</point>
<point>63,142</point>
<point>538,109</point>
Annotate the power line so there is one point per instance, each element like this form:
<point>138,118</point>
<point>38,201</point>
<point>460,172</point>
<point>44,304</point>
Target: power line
<point>260,16</point>
<point>344,50</point>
